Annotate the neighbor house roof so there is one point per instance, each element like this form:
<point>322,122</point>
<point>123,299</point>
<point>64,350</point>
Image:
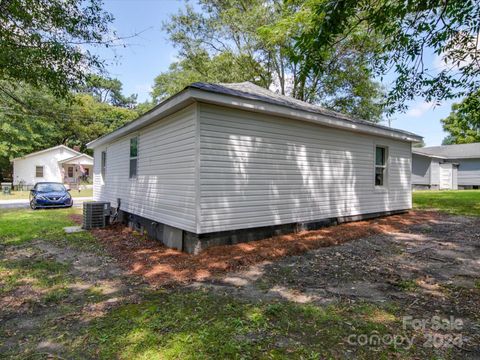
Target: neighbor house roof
<point>47,150</point>
<point>75,158</point>
<point>459,151</point>
<point>251,97</point>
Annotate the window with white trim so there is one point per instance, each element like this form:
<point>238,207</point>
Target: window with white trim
<point>70,171</point>
<point>133,156</point>
<point>380,165</point>
<point>39,171</point>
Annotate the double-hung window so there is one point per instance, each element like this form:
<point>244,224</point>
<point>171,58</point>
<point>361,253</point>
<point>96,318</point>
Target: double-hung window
<point>381,154</point>
<point>39,171</point>
<point>133,156</point>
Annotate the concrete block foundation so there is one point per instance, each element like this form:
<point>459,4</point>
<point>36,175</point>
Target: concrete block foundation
<point>194,243</point>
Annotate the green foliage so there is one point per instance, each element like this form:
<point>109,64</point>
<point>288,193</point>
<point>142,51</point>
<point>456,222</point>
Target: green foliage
<point>44,43</point>
<point>231,41</point>
<point>448,140</point>
<point>224,67</point>
<point>227,28</point>
<point>108,91</point>
<point>463,123</point>
<point>407,31</point>
<point>419,144</point>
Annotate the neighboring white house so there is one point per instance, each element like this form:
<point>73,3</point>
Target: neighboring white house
<point>58,164</point>
<point>446,167</point>
<point>219,164</point>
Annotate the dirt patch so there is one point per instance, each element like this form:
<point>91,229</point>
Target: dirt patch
<point>56,287</point>
<point>160,265</point>
<point>77,218</point>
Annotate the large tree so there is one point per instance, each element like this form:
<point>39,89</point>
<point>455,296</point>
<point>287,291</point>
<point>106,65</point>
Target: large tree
<point>224,67</point>
<point>409,31</point>
<point>108,90</point>
<point>46,43</point>
<point>463,123</point>
<point>243,33</point>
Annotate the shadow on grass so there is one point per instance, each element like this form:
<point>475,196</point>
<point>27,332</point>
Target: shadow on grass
<point>191,324</point>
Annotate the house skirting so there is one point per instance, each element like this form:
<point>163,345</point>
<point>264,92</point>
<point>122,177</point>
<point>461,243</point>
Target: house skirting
<point>468,187</point>
<point>194,243</point>
<point>424,187</point>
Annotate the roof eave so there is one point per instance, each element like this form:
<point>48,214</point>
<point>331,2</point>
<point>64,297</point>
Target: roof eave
<point>428,155</point>
<point>285,111</point>
<point>190,95</point>
<point>75,157</point>
<point>45,150</point>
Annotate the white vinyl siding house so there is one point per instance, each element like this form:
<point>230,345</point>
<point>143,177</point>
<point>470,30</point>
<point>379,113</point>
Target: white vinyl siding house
<point>55,164</point>
<point>212,164</point>
<point>258,170</point>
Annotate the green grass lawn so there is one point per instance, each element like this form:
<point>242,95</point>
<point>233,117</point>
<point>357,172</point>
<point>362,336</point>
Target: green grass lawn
<point>21,226</point>
<point>24,194</point>
<point>187,324</point>
<point>458,202</point>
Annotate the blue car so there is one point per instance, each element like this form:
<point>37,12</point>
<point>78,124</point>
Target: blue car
<point>50,195</point>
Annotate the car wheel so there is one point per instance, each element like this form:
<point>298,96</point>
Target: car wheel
<point>32,205</point>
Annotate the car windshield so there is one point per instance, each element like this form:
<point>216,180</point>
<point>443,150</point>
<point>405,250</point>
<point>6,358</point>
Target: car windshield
<point>50,187</point>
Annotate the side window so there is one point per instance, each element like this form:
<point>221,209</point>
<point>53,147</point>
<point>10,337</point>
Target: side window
<point>39,171</point>
<point>103,164</point>
<point>381,154</point>
<point>133,156</point>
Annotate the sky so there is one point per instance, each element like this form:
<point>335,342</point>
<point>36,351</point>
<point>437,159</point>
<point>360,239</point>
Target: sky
<point>150,53</point>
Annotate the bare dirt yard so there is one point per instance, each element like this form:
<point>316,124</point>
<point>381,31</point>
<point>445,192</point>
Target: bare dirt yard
<point>406,286</point>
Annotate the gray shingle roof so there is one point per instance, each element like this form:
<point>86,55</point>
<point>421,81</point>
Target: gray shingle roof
<point>250,91</point>
<point>460,151</point>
